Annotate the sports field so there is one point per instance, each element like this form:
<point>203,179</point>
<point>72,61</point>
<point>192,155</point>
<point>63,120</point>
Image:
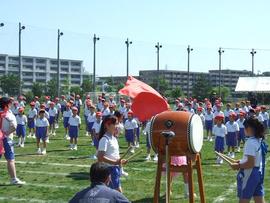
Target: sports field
<point>57,176</point>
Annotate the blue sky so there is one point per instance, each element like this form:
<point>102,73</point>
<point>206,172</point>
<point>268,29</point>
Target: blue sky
<point>205,25</point>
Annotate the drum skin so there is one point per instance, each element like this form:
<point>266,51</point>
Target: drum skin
<point>178,122</point>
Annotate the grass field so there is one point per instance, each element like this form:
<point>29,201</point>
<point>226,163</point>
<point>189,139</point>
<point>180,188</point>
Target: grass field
<point>57,176</point>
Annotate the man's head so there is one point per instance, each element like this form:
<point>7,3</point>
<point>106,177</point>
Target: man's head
<point>100,173</point>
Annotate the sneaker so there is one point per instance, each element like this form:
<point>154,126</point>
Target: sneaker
<point>148,158</point>
<point>39,151</point>
<point>47,140</point>
<point>93,157</point>
<point>238,149</point>
<point>218,160</point>
<point>43,152</point>
<point>71,146</point>
<point>186,195</point>
<point>132,151</point>
<point>56,125</point>
<point>92,143</point>
<point>208,138</point>
<point>137,145</point>
<point>221,161</point>
<point>86,134</point>
<point>211,139</point>
<point>233,155</point>
<point>155,158</point>
<point>75,147</point>
<point>33,136</point>
<point>18,145</point>
<point>229,154</point>
<point>17,181</point>
<point>22,145</point>
<point>53,134</point>
<point>123,173</point>
<point>29,135</point>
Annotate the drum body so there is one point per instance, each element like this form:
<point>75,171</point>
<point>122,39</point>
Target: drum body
<point>188,129</point>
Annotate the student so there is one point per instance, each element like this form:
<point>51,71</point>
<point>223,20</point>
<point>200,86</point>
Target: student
<point>106,110</point>
<point>37,104</point>
<point>21,127</point>
<point>241,136</point>
<point>78,103</point>
<point>112,109</point>
<point>47,103</point>
<point>108,150</point>
<point>130,131</point>
<point>66,115</point>
<point>8,126</point>
<point>227,112</point>
<point>190,109</point>
<point>95,131</point>
<point>42,129</point>
<point>219,131</point>
<point>233,131</point>
<point>52,113</point>
<point>32,114</point>
<point>58,108</point>
<point>74,123</point>
<point>146,132</point>
<point>91,118</point>
<point>86,113</point>
<point>15,108</point>
<point>265,116</point>
<point>122,108</point>
<point>63,103</point>
<point>199,112</point>
<point>250,176</point>
<point>259,115</point>
<point>218,110</point>
<point>209,120</point>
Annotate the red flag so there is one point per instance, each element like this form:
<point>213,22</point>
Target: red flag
<point>133,87</point>
<point>146,104</point>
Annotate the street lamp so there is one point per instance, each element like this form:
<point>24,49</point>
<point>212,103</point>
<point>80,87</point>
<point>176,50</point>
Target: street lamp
<point>188,79</point>
<point>59,34</point>
<point>158,46</point>
<point>253,52</point>
<point>20,57</point>
<point>127,42</point>
<point>220,52</point>
<point>94,65</point>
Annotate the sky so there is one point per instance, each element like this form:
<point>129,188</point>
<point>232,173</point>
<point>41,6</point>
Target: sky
<point>237,26</point>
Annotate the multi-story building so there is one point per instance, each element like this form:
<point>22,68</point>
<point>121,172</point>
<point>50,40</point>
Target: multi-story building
<point>42,70</point>
<point>173,77</point>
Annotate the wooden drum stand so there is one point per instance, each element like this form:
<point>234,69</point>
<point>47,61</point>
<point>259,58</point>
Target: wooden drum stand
<point>193,162</point>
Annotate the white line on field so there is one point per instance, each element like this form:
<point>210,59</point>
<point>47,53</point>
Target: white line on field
<point>222,197</point>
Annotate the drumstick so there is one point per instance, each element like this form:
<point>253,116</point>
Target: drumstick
<point>134,155</point>
<point>128,150</point>
<point>229,158</point>
<point>224,158</point>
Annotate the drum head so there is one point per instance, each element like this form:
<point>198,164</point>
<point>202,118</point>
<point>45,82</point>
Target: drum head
<point>195,133</point>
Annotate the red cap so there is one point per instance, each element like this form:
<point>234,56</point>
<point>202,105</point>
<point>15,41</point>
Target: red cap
<point>78,96</point>
<point>36,97</point>
<point>88,96</point>
<point>56,99</point>
<point>258,109</point>
<point>52,103</point>
<point>232,114</point>
<point>68,105</point>
<point>123,101</point>
<point>199,108</point>
<point>242,113</point>
<point>111,106</point>
<point>177,101</point>
<point>63,96</point>
<point>74,108</point>
<point>32,103</point>
<point>21,109</point>
<point>16,102</point>
<point>219,117</point>
<point>180,105</point>
<point>130,112</point>
<point>98,114</point>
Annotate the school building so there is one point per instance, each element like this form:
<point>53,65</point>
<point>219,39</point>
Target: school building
<point>176,78</point>
<point>42,69</point>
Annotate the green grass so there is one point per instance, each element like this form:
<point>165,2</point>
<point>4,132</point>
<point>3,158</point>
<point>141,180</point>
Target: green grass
<point>57,176</point>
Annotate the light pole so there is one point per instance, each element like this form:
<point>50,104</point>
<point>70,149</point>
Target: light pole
<point>20,57</point>
<point>220,51</point>
<point>94,65</point>
<point>59,34</point>
<point>188,79</point>
<point>158,46</point>
<point>128,43</point>
<point>253,52</point>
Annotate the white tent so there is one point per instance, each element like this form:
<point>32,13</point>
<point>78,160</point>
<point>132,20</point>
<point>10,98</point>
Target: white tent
<point>253,84</point>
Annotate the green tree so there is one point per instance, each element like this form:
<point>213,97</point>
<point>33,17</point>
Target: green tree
<point>29,96</point>
<point>65,86</point>
<point>163,86</point>
<point>87,86</point>
<point>51,88</point>
<point>224,91</point>
<point>176,92</point>
<point>37,89</point>
<point>76,90</point>
<point>119,86</point>
<point>202,88</point>
<point>10,84</point>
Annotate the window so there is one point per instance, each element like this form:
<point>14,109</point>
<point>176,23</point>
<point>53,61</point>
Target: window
<point>28,67</point>
<point>75,76</point>
<point>42,68</point>
<point>64,69</point>
<point>64,63</point>
<point>27,60</point>
<point>40,74</point>
<point>53,62</point>
<point>13,60</point>
<point>2,58</point>
<point>75,64</point>
<point>75,70</point>
<point>40,61</point>
<point>53,68</point>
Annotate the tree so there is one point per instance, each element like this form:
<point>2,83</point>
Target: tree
<point>37,89</point>
<point>10,84</point>
<point>163,85</point>
<point>177,92</point>
<point>224,91</point>
<point>202,88</point>
<point>65,86</point>
<point>76,90</point>
<point>51,88</point>
<point>119,86</point>
<point>87,86</point>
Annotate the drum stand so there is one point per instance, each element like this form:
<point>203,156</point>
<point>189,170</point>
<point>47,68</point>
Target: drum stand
<point>193,162</point>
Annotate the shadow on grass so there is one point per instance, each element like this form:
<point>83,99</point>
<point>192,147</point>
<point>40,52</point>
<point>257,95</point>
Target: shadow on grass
<point>150,199</point>
<point>78,176</point>
<point>58,150</point>
<point>79,157</point>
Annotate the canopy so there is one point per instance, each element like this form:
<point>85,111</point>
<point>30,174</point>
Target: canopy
<point>253,84</point>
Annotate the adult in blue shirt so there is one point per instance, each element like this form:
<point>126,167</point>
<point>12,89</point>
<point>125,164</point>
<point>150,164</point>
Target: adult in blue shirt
<point>99,191</point>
